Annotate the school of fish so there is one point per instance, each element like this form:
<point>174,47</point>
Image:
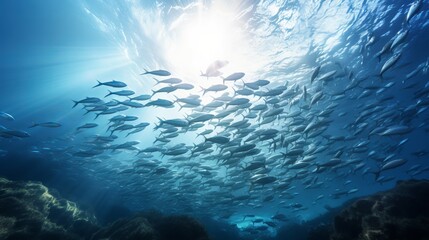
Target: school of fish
<point>258,141</point>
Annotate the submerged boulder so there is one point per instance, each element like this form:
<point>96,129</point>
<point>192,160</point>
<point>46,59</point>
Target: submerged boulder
<point>401,214</point>
<point>28,210</point>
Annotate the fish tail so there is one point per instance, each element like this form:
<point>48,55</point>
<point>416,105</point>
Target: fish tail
<point>75,103</point>
<point>153,92</point>
<point>145,71</point>
<point>175,98</point>
<point>235,92</point>
<point>99,84</point>
<point>376,174</point>
<point>110,93</point>
<point>33,125</point>
<point>157,81</point>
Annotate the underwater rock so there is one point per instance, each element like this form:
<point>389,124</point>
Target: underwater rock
<point>28,210</point>
<point>153,226</point>
<point>127,229</point>
<point>401,214</point>
<point>180,228</point>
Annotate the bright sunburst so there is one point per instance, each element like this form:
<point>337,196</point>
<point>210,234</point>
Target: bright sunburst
<point>203,36</point>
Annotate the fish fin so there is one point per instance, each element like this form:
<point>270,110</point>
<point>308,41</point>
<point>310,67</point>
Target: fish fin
<point>99,84</point>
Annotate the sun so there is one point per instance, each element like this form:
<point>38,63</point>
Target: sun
<point>202,37</point>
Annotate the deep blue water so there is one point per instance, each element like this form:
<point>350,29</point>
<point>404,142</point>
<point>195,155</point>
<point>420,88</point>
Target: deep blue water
<point>53,52</point>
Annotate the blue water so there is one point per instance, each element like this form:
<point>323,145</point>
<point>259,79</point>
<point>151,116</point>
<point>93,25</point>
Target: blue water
<point>53,52</point>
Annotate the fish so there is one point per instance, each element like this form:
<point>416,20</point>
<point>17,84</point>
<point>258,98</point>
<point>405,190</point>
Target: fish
<point>393,164</point>
<point>238,101</point>
<point>396,130</point>
<point>160,72</point>
<point>218,140</point>
<point>264,180</point>
<point>214,88</point>
<point>399,39</point>
<point>316,97</point>
<point>168,89</point>
<point>315,74</point>
<point>168,81</point>
<point>213,69</point>
<point>184,86</point>
<point>389,63</point>
<point>191,101</point>
<point>211,74</point>
<point>173,122</point>
<point>87,100</point>
<point>88,125</point>
<point>113,83</point>
<point>46,124</point>
<point>132,104</point>
<point>142,97</point>
<point>124,93</point>
<point>327,76</point>
<point>390,165</point>
<point>201,118</point>
<point>244,92</point>
<point>112,111</point>
<point>160,103</point>
<point>386,48</point>
<point>412,11</point>
<point>233,77</point>
<point>14,133</point>
<point>6,116</point>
